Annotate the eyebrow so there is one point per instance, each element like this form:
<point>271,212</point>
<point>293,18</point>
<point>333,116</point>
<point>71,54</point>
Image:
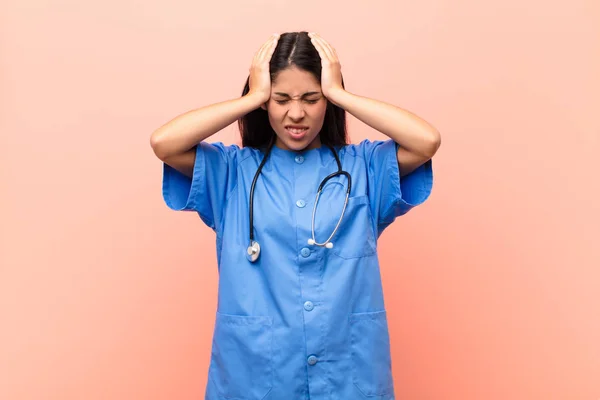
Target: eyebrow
<point>304,95</point>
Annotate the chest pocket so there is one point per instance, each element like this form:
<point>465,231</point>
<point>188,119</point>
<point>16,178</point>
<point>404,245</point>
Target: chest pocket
<point>355,237</point>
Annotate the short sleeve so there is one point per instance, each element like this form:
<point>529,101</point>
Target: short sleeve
<point>213,178</point>
<point>391,195</point>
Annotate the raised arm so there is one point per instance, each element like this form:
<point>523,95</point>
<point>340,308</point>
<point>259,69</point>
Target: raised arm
<point>418,139</point>
<point>175,141</point>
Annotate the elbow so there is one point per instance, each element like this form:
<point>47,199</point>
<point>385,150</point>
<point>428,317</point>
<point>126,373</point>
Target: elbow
<point>432,144</point>
<point>158,145</point>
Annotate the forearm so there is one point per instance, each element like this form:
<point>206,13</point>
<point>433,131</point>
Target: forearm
<point>405,128</point>
<point>187,130</point>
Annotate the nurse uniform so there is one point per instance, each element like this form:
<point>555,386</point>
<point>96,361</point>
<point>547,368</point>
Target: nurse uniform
<point>302,322</point>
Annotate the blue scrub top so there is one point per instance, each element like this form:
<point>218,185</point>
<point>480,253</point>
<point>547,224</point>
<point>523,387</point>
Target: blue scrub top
<point>302,322</point>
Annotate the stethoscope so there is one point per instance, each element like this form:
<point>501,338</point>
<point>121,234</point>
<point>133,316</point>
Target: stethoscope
<point>254,247</point>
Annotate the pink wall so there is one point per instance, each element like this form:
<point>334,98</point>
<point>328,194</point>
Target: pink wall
<point>492,287</point>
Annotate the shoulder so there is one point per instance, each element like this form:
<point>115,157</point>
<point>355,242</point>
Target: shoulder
<point>232,152</point>
<point>366,148</point>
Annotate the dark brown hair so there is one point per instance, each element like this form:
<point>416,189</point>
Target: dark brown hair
<point>293,49</point>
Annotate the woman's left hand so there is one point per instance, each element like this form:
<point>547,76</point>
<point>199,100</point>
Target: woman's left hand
<point>331,69</point>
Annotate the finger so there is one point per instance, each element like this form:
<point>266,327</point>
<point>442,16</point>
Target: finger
<point>270,50</point>
<point>318,43</point>
<point>327,49</point>
<point>318,46</point>
<point>256,59</point>
<point>259,51</point>
<point>260,55</point>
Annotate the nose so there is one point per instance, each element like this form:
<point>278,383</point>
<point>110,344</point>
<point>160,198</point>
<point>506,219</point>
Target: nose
<point>296,110</point>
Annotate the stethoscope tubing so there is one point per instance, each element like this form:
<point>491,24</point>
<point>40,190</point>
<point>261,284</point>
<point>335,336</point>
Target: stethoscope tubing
<point>254,247</point>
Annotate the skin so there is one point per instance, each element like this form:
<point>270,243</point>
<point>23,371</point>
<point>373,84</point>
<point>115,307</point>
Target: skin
<point>174,142</point>
<point>418,139</point>
<point>296,99</point>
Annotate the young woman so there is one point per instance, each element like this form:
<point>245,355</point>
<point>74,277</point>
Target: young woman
<point>297,213</point>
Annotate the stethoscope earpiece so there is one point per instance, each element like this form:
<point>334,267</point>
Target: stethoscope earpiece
<point>254,248</point>
<point>311,242</point>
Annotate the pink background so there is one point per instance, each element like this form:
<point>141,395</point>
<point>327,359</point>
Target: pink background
<point>492,286</point>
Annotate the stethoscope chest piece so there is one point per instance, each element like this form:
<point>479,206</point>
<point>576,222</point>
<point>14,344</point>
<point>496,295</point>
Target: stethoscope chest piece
<point>253,251</point>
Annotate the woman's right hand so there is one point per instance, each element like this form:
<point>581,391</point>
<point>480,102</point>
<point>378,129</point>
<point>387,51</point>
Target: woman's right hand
<point>260,77</point>
<point>174,142</point>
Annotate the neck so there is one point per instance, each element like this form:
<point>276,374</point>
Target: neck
<point>316,143</point>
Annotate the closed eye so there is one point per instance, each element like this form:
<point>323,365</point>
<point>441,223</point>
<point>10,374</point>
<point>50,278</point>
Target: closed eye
<point>308,101</point>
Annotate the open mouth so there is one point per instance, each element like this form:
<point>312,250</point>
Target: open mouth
<point>296,132</point>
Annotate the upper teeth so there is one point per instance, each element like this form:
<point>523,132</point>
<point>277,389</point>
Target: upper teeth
<point>297,130</point>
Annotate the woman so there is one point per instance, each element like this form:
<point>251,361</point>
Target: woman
<point>300,306</point>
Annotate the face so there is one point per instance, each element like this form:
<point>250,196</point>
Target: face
<point>296,109</point>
